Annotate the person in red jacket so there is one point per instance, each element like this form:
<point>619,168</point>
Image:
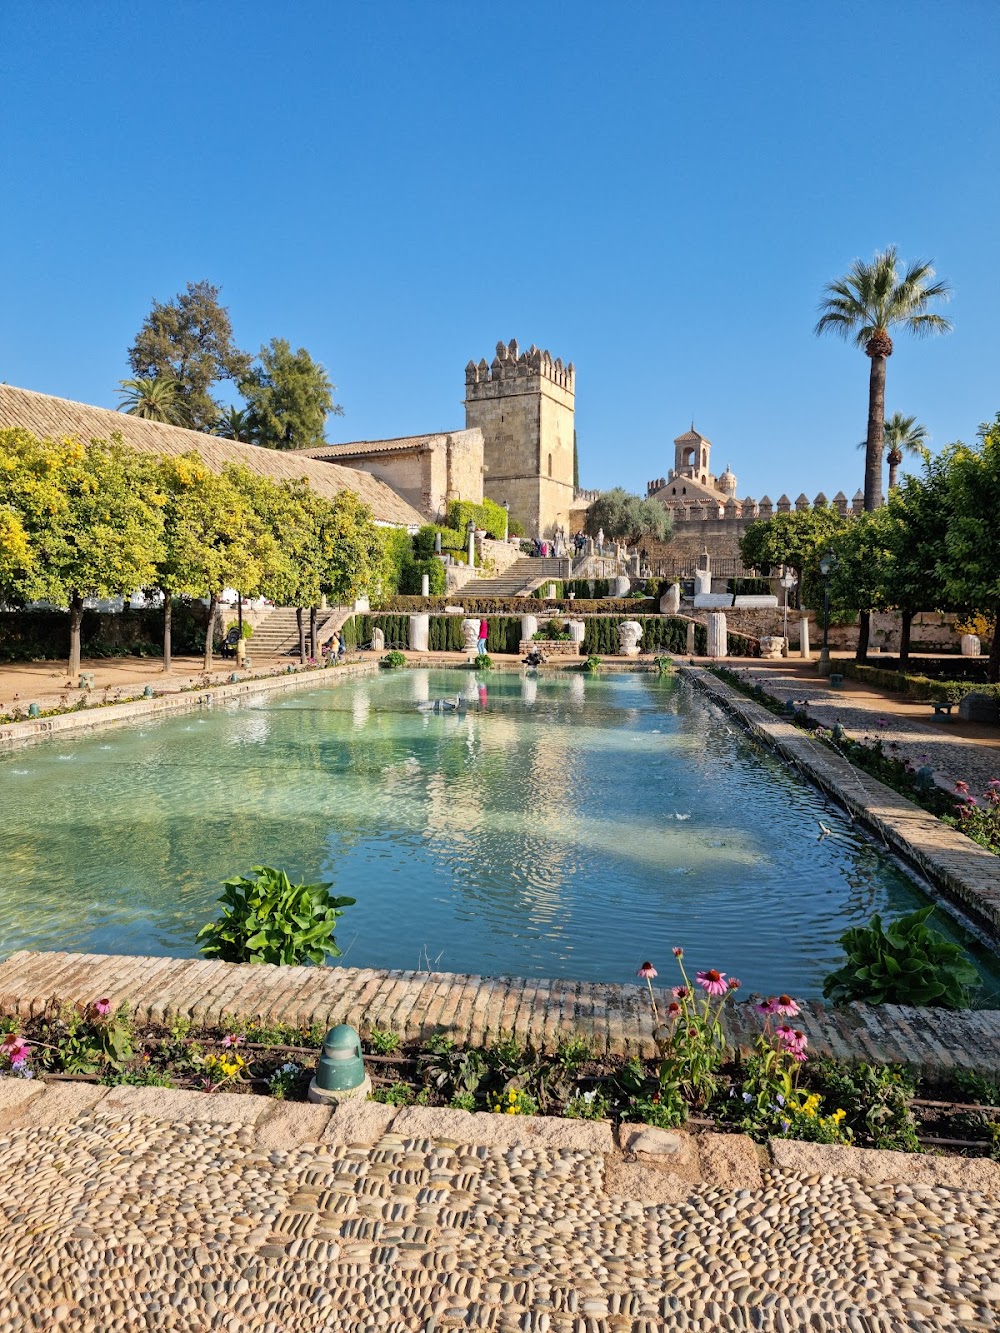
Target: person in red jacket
<point>484,630</point>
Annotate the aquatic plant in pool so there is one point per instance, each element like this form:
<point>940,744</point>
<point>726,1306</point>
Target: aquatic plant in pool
<point>549,826</point>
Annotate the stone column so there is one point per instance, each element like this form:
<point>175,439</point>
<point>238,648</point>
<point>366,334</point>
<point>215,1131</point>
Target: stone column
<point>670,602</point>
<point>804,638</point>
<point>420,628</point>
<point>717,630</point>
<point>971,645</point>
<point>425,584</point>
<point>529,627</point>
<point>576,630</point>
<point>472,550</point>
<point>690,639</point>
<point>702,581</point>
<point>620,587</point>
<point>550,595</point>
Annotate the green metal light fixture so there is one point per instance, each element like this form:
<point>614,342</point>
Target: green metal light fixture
<point>340,1073</point>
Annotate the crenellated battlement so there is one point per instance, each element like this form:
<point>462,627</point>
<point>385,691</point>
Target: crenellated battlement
<point>515,371</point>
<point>698,508</point>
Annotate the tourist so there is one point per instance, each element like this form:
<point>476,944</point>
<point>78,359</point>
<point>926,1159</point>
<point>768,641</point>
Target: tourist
<point>484,629</point>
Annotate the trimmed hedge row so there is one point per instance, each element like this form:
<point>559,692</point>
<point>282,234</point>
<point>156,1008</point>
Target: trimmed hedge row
<point>520,605</point>
<point>31,636</point>
<point>444,633</point>
<point>600,636</point>
<point>917,687</point>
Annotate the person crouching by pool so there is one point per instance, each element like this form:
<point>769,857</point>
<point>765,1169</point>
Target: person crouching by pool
<point>484,630</point>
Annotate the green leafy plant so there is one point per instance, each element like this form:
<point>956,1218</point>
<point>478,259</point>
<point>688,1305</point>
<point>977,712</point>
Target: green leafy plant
<point>876,1098</point>
<point>247,629</point>
<point>396,1094</point>
<point>483,662</point>
<point>92,1037</point>
<point>451,1071</point>
<point>464,1101</point>
<point>284,1079</point>
<point>906,963</point>
<point>393,659</point>
<point>269,919</point>
<point>590,1105</point>
<point>593,664</point>
<point>663,664</point>
<point>383,1042</point>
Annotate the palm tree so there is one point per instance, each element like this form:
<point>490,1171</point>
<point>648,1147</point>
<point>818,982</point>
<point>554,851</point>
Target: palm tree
<point>903,435</point>
<point>863,307</point>
<point>235,424</point>
<point>157,398</point>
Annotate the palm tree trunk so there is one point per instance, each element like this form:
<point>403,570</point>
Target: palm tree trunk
<point>302,635</point>
<point>893,472</point>
<point>167,613</point>
<point>993,670</point>
<point>876,434</point>
<point>312,633</point>
<point>75,621</point>
<point>904,640</point>
<point>209,633</point>
<point>864,634</point>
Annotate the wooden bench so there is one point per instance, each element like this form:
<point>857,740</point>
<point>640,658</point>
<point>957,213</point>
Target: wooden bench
<point>940,709</point>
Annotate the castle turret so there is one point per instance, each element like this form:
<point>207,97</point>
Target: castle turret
<point>727,483</point>
<point>524,405</point>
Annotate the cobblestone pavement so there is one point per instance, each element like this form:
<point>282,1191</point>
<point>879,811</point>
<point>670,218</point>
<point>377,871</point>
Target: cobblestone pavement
<point>970,752</point>
<point>113,1221</point>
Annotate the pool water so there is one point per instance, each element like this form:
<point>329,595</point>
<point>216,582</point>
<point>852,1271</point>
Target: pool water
<point>560,825</point>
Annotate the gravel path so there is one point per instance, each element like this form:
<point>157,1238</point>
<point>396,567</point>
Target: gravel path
<point>118,1222</point>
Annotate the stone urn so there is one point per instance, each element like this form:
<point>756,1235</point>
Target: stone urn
<point>971,646</point>
<point>470,635</point>
<point>629,634</point>
<point>772,646</point>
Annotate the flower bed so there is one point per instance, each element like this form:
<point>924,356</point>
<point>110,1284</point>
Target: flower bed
<point>775,1091</point>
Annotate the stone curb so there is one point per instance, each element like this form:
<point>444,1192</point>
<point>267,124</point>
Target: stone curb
<point>880,1166</point>
<point>960,869</point>
<point>17,735</point>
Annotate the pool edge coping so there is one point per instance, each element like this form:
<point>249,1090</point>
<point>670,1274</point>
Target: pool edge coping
<point>964,873</point>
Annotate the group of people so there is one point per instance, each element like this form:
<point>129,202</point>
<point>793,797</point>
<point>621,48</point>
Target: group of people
<point>541,546</point>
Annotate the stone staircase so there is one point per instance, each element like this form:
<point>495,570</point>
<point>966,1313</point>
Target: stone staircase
<point>522,574</point>
<point>277,635</point>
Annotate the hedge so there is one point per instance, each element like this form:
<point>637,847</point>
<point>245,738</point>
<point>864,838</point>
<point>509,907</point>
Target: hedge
<point>27,636</point>
<point>444,633</point>
<point>916,687</point>
<point>489,516</point>
<point>600,636</point>
<point>519,605</point>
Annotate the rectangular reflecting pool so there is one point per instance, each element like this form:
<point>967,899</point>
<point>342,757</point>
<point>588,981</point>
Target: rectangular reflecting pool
<point>560,825</point>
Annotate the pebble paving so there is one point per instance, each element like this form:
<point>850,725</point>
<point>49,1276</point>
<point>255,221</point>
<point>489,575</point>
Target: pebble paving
<point>118,1222</point>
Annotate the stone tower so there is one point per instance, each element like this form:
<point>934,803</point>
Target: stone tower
<point>691,457</point>
<point>524,406</point>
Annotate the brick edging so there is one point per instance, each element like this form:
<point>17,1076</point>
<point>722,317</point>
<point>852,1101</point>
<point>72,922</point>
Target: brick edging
<point>962,871</point>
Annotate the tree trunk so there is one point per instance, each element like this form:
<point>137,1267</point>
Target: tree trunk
<point>864,633</point>
<point>75,621</point>
<point>893,473</point>
<point>302,634</point>
<point>167,613</point>
<point>993,671</point>
<point>904,640</point>
<point>213,603</point>
<point>312,634</point>
<point>876,434</point>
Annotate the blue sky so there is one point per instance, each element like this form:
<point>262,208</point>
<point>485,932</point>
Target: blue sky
<point>657,192</point>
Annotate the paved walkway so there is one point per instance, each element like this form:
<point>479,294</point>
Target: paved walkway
<point>615,1019</point>
<point>954,748</point>
<point>127,1209</point>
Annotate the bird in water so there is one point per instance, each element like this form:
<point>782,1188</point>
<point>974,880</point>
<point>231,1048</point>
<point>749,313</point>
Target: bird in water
<point>824,832</point>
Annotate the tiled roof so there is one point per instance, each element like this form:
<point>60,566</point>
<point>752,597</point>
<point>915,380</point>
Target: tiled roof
<point>58,417</point>
<point>361,448</point>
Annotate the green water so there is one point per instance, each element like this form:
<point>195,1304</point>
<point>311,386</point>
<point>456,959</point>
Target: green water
<point>560,826</point>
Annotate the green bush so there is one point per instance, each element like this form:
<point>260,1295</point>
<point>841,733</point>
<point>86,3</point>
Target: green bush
<point>592,664</point>
<point>482,663</point>
<point>489,516</point>
<point>269,919</point>
<point>33,636</point>
<point>917,687</point>
<point>908,963</point>
<point>246,633</point>
<point>393,659</point>
<point>414,571</point>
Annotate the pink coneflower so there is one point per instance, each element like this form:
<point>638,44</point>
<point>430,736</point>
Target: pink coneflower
<point>673,1008</point>
<point>993,795</point>
<point>768,1006</point>
<point>882,723</point>
<point>677,952</point>
<point>785,1005</point>
<point>792,1039</point>
<point>648,971</point>
<point>15,1048</point>
<point>680,992</point>
<point>961,787</point>
<point>102,1007</point>
<point>713,981</point>
<point>232,1040</point>
<point>993,783</point>
<point>735,983</point>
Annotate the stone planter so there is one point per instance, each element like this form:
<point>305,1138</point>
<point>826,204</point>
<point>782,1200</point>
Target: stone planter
<point>551,647</point>
<point>629,634</point>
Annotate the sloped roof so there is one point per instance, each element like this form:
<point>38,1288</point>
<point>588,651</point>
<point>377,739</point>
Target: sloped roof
<point>57,417</point>
<point>691,434</point>
<point>695,491</point>
<point>361,448</point>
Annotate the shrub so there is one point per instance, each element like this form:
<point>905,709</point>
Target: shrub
<point>483,662</point>
<point>489,516</point>
<point>413,572</point>
<point>269,919</point>
<point>247,630</point>
<point>908,963</point>
<point>593,664</point>
<point>393,659</point>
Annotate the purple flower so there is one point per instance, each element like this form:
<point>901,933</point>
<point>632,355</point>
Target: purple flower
<point>102,1007</point>
<point>647,970</point>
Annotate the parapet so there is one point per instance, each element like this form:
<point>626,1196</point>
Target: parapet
<point>511,367</point>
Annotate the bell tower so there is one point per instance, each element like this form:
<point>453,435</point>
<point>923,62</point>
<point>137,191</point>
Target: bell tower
<point>692,453</point>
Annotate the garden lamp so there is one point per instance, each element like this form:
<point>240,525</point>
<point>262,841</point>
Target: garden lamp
<point>788,582</point>
<point>340,1073</point>
<point>506,521</point>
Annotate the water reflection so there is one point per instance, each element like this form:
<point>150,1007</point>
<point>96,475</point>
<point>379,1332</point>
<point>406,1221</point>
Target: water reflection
<point>565,826</point>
